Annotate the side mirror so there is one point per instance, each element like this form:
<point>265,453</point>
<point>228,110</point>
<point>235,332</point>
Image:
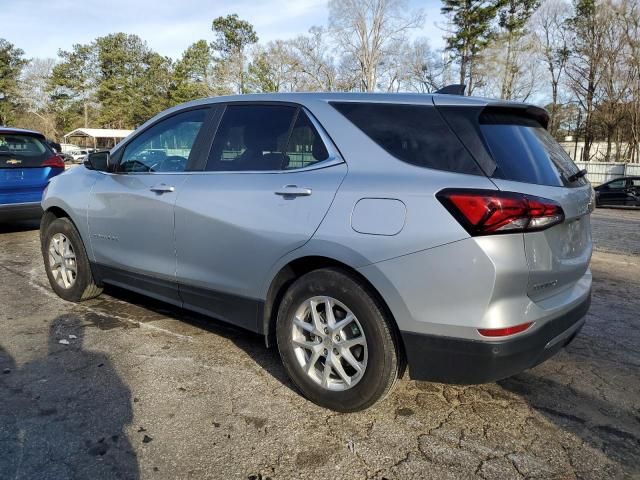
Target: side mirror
<point>99,161</point>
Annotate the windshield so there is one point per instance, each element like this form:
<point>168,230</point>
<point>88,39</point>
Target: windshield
<point>22,151</point>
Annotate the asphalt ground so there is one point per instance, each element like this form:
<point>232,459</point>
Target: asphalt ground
<point>145,390</point>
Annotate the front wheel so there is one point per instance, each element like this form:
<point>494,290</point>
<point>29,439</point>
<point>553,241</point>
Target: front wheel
<point>66,262</point>
<point>336,342</point>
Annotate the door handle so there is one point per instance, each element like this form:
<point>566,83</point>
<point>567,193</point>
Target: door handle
<point>162,188</point>
<point>293,191</point>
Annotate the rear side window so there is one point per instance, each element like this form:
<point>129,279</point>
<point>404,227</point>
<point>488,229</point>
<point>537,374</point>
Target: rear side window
<point>415,134</point>
<point>252,137</point>
<point>524,151</point>
<point>22,151</point>
<point>305,146</point>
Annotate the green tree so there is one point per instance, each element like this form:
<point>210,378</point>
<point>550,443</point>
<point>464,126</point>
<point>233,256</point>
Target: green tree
<point>131,80</point>
<point>72,85</point>
<point>193,74</point>
<point>11,62</point>
<point>233,37</point>
<point>118,75</point>
<point>472,22</point>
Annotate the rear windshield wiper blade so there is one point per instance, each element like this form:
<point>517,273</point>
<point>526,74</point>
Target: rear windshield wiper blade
<point>577,175</point>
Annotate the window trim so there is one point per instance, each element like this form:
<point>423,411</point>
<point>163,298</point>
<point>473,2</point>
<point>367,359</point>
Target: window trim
<point>199,144</point>
<point>334,158</point>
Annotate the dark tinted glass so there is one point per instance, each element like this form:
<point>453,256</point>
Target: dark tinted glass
<point>166,146</point>
<point>524,151</point>
<point>252,137</point>
<point>616,185</point>
<point>22,151</point>
<point>305,146</point>
<point>415,134</point>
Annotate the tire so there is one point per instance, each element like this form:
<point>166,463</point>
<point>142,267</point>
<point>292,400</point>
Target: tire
<point>83,286</point>
<point>378,353</point>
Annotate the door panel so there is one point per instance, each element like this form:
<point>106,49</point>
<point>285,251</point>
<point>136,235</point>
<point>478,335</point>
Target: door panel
<point>131,226</point>
<point>131,212</point>
<point>232,227</point>
<point>613,193</point>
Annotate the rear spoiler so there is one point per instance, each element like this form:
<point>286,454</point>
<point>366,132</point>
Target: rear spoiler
<point>455,89</point>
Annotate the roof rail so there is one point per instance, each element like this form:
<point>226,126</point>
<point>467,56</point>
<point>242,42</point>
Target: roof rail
<point>455,89</point>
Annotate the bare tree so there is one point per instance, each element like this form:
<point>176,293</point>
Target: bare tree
<point>273,68</point>
<point>367,30</point>
<point>520,72</point>
<point>425,68</point>
<point>616,77</point>
<point>584,69</point>
<point>33,93</point>
<point>630,17</point>
<point>548,26</point>
<point>314,63</point>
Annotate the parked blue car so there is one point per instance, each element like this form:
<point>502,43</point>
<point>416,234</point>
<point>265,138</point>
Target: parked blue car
<point>27,163</point>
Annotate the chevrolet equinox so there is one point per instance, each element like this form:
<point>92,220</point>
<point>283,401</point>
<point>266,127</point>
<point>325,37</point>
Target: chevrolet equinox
<point>360,233</point>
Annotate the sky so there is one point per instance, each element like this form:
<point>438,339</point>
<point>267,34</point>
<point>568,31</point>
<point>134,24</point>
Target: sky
<point>42,27</point>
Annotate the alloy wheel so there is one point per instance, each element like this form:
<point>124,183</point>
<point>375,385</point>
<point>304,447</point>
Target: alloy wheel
<point>329,343</point>
<point>62,261</point>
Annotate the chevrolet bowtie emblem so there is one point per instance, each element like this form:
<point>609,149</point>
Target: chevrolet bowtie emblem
<point>13,161</point>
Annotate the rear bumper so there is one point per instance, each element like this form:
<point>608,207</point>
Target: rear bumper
<point>20,211</point>
<point>463,361</point>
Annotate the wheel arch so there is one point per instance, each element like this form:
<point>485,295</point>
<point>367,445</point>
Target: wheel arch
<point>302,265</point>
<point>53,212</point>
<point>50,214</point>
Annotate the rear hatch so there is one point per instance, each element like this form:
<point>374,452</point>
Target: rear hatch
<point>512,146</point>
<point>26,165</point>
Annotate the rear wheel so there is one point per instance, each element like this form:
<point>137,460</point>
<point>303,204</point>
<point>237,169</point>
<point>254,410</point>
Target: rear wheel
<point>336,342</point>
<point>66,262</point>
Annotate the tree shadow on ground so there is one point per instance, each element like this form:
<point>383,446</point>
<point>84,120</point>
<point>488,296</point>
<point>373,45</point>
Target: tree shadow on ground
<point>251,343</point>
<point>64,415</point>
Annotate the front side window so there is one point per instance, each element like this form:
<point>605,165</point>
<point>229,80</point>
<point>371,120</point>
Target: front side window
<point>617,185</point>
<point>166,146</point>
<point>265,137</point>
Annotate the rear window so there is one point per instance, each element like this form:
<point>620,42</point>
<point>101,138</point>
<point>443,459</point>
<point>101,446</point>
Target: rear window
<point>415,134</point>
<point>20,151</point>
<point>524,151</point>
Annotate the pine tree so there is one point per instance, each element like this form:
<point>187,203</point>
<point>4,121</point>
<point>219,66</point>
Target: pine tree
<point>513,17</point>
<point>11,62</point>
<point>472,21</point>
<point>233,36</point>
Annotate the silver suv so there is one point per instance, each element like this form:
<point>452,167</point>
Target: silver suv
<point>361,233</point>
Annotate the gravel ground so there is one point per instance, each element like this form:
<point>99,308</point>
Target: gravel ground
<point>143,390</point>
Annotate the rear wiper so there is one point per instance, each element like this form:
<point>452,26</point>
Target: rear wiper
<point>577,175</point>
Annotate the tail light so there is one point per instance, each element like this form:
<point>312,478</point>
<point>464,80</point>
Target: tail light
<point>54,161</point>
<point>489,212</point>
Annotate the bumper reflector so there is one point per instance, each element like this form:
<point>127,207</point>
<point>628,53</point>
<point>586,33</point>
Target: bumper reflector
<point>504,332</point>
